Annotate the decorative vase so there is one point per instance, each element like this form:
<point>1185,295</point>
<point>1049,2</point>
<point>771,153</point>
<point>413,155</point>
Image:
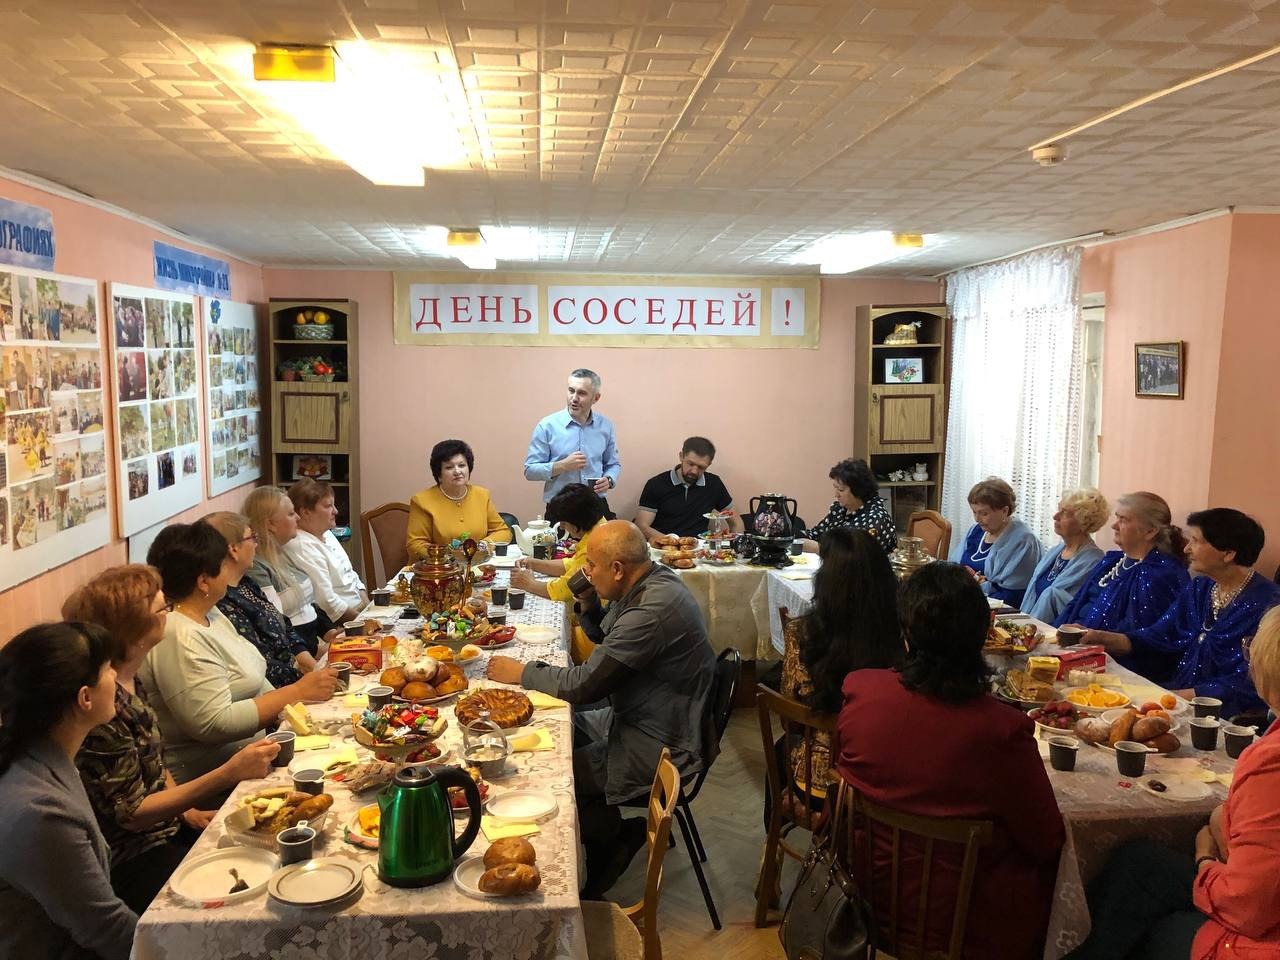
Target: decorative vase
<point>438,582</point>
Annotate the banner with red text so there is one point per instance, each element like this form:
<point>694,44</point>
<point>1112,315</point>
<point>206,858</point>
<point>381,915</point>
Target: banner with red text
<point>613,311</point>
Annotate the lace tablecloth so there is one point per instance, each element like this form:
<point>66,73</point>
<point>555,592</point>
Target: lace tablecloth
<point>1102,810</point>
<point>790,589</point>
<point>388,923</point>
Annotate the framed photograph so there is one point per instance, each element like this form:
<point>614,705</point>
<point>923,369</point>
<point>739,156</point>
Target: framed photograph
<point>904,370</point>
<point>312,466</point>
<point>1157,370</point>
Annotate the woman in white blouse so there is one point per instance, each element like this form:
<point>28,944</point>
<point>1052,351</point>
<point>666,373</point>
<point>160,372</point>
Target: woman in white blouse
<point>339,592</point>
<point>209,685</point>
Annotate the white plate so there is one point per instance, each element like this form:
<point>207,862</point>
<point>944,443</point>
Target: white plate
<point>315,883</point>
<point>357,836</point>
<point>535,633</point>
<point>466,877</point>
<point>1112,715</point>
<point>505,562</point>
<point>206,880</point>
<point>311,760</point>
<point>1095,711</point>
<point>484,648</point>
<point>522,806</point>
<point>1179,788</point>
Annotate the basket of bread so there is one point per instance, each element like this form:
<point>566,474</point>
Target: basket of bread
<point>398,733</point>
<point>262,815</point>
<point>1151,726</point>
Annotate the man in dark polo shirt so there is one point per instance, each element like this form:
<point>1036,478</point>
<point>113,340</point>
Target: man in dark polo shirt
<point>677,500</point>
<point>648,685</point>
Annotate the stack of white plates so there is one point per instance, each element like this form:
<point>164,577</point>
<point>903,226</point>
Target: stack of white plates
<point>316,883</point>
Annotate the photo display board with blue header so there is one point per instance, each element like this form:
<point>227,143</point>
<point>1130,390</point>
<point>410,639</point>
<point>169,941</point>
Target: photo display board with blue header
<point>231,353</point>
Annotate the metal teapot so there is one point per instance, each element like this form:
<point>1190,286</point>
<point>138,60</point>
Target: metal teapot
<point>416,846</point>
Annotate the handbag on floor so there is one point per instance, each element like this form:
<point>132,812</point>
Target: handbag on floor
<point>826,918</point>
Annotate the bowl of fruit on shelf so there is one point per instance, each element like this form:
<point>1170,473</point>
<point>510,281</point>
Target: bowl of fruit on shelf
<point>1055,717</point>
<point>312,324</point>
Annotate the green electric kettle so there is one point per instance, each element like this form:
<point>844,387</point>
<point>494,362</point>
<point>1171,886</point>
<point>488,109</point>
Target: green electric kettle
<point>416,846</point>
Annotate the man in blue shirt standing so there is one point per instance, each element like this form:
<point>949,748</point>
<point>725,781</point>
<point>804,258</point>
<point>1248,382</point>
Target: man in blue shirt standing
<point>575,445</point>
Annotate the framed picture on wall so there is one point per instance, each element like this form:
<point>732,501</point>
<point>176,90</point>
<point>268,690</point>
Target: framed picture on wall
<point>1157,369</point>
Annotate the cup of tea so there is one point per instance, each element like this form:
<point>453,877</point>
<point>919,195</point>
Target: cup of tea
<point>591,482</point>
<point>1236,739</point>
<point>515,599</point>
<point>379,696</point>
<point>344,674</point>
<point>309,781</point>
<point>1063,752</point>
<point>1131,758</point>
<point>1069,636</point>
<point>296,844</point>
<point>797,547</point>
<point>539,551</point>
<point>500,549</point>
<point>410,613</point>
<point>381,598</point>
<point>286,739</point>
<point>499,594</point>
<point>1204,732</point>
<point>1206,706</point>
<point>353,628</point>
<point>498,616</point>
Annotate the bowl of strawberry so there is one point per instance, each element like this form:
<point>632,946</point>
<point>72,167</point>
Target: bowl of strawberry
<point>1055,716</point>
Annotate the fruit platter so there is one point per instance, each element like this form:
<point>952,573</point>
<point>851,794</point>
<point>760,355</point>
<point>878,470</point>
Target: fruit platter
<point>1056,716</point>
<point>1095,698</point>
<point>1009,637</point>
<point>400,733</point>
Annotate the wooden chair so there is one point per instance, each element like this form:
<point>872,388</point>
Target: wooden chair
<point>900,930</point>
<point>389,526</point>
<point>791,803</point>
<point>934,529</point>
<point>631,933</point>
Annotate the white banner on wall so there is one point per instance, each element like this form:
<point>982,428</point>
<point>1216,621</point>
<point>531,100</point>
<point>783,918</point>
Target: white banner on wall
<point>620,311</point>
<point>53,462</point>
<point>155,366</point>
<point>233,405</point>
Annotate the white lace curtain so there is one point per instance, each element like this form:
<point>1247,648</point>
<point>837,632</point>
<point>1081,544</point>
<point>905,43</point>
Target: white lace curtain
<point>1016,385</point>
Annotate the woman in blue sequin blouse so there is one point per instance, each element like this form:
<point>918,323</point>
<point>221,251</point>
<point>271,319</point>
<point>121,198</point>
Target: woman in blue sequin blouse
<point>1213,617</point>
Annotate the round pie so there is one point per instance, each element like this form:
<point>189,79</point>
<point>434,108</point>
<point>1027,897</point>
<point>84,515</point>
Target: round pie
<point>506,708</point>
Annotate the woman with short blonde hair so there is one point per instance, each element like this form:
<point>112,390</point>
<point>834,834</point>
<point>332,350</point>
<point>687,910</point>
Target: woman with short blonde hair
<point>1060,573</point>
<point>1000,551</point>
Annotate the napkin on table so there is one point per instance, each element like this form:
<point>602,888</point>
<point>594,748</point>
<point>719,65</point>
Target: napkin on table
<point>544,701</point>
<point>355,700</point>
<point>317,742</point>
<point>796,575</point>
<point>494,830</point>
<point>538,739</point>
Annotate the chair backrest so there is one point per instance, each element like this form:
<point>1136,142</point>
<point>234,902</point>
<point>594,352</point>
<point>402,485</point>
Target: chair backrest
<point>728,672</point>
<point>662,805</point>
<point>919,842</point>
<point>511,520</point>
<point>800,728</point>
<point>387,527</point>
<point>934,529</point>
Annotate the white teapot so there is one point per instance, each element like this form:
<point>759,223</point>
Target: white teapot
<point>539,532</point>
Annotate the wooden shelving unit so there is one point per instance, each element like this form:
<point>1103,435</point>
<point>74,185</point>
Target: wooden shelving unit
<point>317,416</point>
<point>898,425</point>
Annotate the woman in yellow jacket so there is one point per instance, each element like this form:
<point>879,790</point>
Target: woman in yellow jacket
<point>578,510</point>
<point>454,506</point>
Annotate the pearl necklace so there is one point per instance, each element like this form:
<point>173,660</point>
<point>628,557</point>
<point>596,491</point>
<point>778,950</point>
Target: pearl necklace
<point>1119,568</point>
<point>457,499</point>
<point>1219,600</point>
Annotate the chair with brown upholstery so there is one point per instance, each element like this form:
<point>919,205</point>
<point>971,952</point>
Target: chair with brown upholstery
<point>934,529</point>
<point>388,526</point>
<point>631,933</point>
<point>915,843</point>
<point>792,802</point>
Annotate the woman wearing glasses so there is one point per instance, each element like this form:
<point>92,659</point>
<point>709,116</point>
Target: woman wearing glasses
<point>148,821</point>
<point>209,684</point>
<point>249,610</point>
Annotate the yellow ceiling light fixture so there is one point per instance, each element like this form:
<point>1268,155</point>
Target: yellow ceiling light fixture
<point>467,245</point>
<point>294,62</point>
<point>850,252</point>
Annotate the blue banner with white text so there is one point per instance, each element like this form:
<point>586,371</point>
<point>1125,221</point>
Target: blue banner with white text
<point>26,235</point>
<point>183,271</point>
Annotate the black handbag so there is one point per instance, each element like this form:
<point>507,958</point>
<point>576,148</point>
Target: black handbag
<point>826,917</point>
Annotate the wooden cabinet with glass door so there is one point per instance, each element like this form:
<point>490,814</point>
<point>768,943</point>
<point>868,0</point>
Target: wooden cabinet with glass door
<point>900,402</point>
<point>314,424</point>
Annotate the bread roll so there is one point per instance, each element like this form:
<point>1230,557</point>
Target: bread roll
<point>450,679</point>
<point>510,879</point>
<point>1093,729</point>
<point>510,850</point>
<point>417,690</point>
<point>393,678</point>
<point>1165,743</point>
<point>1122,728</point>
<point>312,807</point>
<point>1148,728</point>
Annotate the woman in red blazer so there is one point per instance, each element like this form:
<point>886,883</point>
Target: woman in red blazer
<point>928,740</point>
<point>1153,902</point>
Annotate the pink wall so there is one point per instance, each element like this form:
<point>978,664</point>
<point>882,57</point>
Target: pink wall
<point>104,246</point>
<point>1246,442</point>
<point>779,418</point>
<point>1163,286</point>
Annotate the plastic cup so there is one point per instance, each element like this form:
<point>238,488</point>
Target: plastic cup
<point>296,844</point>
<point>1063,752</point>
<point>797,547</point>
<point>379,696</point>
<point>1069,636</point>
<point>1237,738</point>
<point>1131,758</point>
<point>498,616</point>
<point>539,551</point>
<point>309,781</point>
<point>410,613</point>
<point>381,598</point>
<point>500,549</point>
<point>499,594</point>
<point>1204,733</point>
<point>515,599</point>
<point>1206,706</point>
<point>353,628</point>
<point>344,674</point>
<point>286,740</point>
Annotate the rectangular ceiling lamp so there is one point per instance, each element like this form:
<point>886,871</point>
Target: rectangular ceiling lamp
<point>297,63</point>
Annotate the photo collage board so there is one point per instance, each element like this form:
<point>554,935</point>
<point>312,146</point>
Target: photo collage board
<point>53,461</point>
<point>156,395</point>
<point>231,349</point>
